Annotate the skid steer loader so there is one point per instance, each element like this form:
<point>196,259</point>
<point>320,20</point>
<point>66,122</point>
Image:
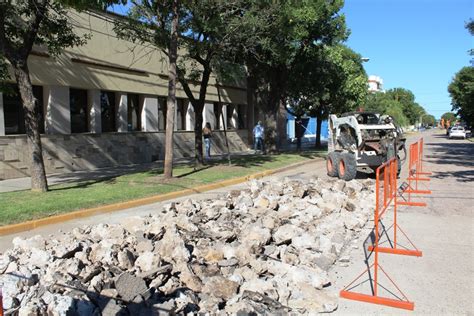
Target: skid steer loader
<point>362,140</point>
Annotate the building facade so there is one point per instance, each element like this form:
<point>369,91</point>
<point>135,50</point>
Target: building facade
<point>375,84</point>
<point>104,104</point>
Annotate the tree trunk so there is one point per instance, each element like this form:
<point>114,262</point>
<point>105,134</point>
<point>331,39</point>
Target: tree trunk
<point>171,101</point>
<point>198,120</point>
<point>281,124</point>
<point>251,104</point>
<point>276,108</point>
<point>38,173</point>
<point>198,106</point>
<point>319,121</point>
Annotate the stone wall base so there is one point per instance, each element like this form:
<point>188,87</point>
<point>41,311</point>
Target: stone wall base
<point>66,153</point>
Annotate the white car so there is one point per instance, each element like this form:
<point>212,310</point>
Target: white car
<point>457,132</point>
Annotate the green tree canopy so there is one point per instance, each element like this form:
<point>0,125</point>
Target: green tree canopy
<point>461,90</point>
<point>205,30</point>
<point>399,103</point>
<point>406,99</point>
<point>449,116</point>
<point>276,37</point>
<point>428,120</point>
<point>329,79</point>
<point>384,104</point>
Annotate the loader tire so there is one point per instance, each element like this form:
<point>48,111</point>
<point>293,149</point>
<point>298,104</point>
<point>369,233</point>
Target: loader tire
<point>332,161</point>
<point>347,167</point>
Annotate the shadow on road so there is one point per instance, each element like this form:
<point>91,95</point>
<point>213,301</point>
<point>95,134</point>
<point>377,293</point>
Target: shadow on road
<point>453,153</point>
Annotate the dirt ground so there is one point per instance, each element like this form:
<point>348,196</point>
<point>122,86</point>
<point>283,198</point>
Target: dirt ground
<point>441,282</point>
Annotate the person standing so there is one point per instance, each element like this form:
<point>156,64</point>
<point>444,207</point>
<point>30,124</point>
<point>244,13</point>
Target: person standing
<point>258,134</point>
<point>207,134</point>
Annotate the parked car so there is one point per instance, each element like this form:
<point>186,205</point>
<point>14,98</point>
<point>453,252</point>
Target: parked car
<point>457,132</point>
<point>468,132</point>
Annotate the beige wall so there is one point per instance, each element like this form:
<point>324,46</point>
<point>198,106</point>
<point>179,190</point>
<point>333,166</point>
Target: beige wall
<point>66,153</point>
<point>103,61</point>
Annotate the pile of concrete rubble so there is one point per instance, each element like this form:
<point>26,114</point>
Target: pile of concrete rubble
<point>266,249</point>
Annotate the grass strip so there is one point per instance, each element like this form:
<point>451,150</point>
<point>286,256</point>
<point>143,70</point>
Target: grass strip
<point>21,206</point>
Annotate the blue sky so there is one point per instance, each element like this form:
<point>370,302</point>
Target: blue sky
<point>418,45</point>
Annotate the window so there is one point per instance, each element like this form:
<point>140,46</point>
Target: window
<point>182,108</point>
<point>218,115</point>
<point>230,116</point>
<point>13,110</point>
<point>242,116</point>
<point>79,111</point>
<point>133,112</point>
<point>107,105</point>
<point>162,109</point>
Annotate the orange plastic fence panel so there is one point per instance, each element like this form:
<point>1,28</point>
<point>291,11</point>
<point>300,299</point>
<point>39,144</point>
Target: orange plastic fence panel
<point>385,196</point>
<point>420,158</point>
<point>415,167</point>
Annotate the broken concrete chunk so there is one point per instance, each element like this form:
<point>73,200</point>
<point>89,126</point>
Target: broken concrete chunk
<point>129,286</point>
<point>263,250</point>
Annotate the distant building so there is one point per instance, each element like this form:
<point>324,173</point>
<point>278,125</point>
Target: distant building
<point>375,84</point>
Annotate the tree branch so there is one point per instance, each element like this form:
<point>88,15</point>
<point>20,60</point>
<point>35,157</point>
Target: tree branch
<point>185,85</point>
<point>30,36</point>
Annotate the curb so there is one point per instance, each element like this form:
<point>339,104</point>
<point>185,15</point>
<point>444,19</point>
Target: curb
<point>30,225</point>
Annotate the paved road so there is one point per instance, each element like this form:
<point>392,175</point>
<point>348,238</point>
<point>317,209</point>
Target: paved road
<point>441,282</point>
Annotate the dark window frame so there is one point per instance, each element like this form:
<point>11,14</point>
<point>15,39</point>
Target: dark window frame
<point>182,106</point>
<point>108,113</point>
<point>13,111</point>
<point>162,112</point>
<point>78,100</point>
<point>131,108</point>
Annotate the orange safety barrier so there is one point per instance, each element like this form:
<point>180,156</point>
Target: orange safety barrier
<point>420,158</point>
<point>415,171</point>
<point>386,195</point>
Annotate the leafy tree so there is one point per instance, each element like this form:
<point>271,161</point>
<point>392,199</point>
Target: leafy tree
<point>449,116</point>
<point>461,90</point>
<point>406,98</point>
<point>428,120</point>
<point>330,79</point>
<point>278,35</point>
<point>399,103</point>
<point>22,25</point>
<point>171,101</point>
<point>204,30</point>
<point>384,104</point>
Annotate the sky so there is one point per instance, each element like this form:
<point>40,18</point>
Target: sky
<point>418,45</point>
